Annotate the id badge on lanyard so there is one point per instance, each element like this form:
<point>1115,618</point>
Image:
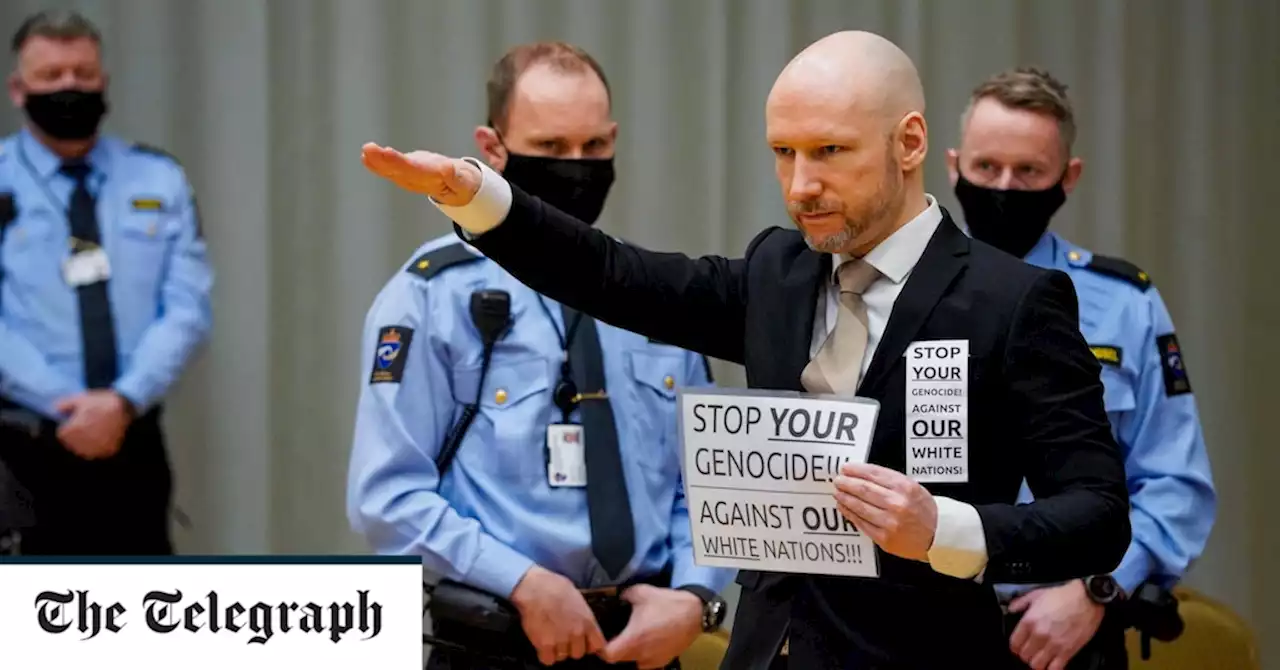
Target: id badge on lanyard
<point>88,263</point>
<point>566,456</point>
<point>86,267</point>
<point>566,441</point>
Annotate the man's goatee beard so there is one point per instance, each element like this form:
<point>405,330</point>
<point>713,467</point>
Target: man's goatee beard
<point>832,244</point>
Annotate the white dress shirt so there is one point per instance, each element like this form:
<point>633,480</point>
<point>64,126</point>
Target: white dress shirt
<point>959,545</point>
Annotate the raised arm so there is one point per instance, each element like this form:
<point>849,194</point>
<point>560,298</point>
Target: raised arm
<point>1078,524</point>
<point>697,304</point>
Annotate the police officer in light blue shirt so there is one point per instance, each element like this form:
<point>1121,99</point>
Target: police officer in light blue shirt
<point>1012,172</point>
<point>556,434</point>
<point>104,295</point>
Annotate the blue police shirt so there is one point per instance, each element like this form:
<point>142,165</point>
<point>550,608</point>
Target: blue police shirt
<point>494,514</point>
<point>1152,410</point>
<point>160,277</point>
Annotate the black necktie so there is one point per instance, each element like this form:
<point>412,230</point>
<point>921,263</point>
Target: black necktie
<point>612,529</point>
<point>96,326</point>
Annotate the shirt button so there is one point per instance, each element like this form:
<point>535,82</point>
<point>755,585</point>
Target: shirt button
<point>500,396</point>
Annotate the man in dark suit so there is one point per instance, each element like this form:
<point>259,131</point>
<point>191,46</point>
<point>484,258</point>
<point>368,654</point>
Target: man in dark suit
<point>832,309</point>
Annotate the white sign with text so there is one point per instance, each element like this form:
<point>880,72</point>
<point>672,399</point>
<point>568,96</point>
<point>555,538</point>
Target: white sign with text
<point>758,471</point>
<point>938,411</point>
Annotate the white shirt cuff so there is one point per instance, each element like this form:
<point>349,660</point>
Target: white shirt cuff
<point>487,209</point>
<point>959,545</point>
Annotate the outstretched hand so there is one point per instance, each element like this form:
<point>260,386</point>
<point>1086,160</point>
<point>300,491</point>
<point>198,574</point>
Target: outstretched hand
<point>449,181</point>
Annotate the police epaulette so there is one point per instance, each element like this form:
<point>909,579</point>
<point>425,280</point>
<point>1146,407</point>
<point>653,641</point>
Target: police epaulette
<point>1120,269</point>
<point>152,150</point>
<point>436,261</point>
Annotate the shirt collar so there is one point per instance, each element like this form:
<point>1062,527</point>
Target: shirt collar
<point>46,163</point>
<point>1045,252</point>
<point>898,254</point>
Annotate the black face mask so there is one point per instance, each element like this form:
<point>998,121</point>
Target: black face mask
<point>576,186</point>
<point>1012,221</point>
<point>69,114</point>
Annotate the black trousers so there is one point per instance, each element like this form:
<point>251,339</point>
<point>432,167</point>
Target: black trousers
<point>1105,651</point>
<point>108,507</point>
<point>612,620</point>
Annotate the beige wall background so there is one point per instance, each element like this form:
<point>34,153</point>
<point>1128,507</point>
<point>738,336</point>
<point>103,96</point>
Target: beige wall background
<point>268,101</point>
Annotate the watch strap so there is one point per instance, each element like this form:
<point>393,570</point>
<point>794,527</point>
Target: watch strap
<point>704,594</point>
<point>712,606</point>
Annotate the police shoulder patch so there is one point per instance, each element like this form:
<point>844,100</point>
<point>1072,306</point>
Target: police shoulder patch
<point>1120,269</point>
<point>390,354</point>
<point>438,260</point>
<point>1172,365</point>
<point>1107,354</point>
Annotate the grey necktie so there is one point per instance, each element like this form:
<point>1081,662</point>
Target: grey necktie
<point>837,368</point>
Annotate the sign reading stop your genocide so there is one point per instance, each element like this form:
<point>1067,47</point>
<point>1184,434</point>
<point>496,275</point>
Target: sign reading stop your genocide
<point>938,411</point>
<point>759,469</point>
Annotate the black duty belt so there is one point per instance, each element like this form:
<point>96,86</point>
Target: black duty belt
<point>22,420</point>
<point>606,603</point>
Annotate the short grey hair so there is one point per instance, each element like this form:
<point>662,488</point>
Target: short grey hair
<point>58,24</point>
<point>1032,89</point>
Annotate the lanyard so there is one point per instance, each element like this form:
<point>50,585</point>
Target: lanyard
<point>565,395</point>
<point>35,177</point>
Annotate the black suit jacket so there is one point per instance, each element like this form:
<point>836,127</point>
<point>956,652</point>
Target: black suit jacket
<point>1035,411</point>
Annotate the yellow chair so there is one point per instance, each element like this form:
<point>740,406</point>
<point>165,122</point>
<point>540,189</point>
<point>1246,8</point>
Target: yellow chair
<point>1214,638</point>
<point>706,652</point>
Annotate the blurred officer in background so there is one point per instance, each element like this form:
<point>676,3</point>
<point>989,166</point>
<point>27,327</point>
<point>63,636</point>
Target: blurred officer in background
<point>104,296</point>
<point>1012,172</point>
<point>567,475</point>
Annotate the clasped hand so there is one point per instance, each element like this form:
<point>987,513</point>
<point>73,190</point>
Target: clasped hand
<point>561,626</point>
<point>894,510</point>
<point>663,623</point>
<point>95,425</point>
<point>1057,622</point>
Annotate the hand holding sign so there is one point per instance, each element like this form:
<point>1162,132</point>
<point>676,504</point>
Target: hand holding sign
<point>891,508</point>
